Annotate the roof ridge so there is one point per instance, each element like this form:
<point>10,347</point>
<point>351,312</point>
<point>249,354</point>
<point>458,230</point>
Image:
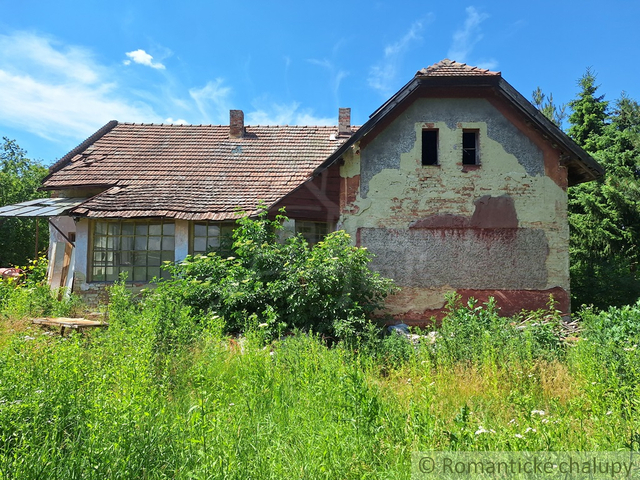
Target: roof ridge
<point>452,68</point>
<point>219,125</point>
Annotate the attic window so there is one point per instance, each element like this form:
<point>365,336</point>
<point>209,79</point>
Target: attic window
<point>470,150</point>
<point>429,147</point>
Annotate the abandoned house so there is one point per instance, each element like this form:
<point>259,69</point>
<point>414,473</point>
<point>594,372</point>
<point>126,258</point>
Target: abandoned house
<point>456,183</point>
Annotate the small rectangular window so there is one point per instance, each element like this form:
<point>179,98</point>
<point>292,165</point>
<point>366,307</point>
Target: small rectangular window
<point>211,236</point>
<point>430,147</point>
<point>313,232</point>
<point>470,147</point>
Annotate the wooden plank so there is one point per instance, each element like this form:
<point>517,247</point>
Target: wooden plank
<point>66,261</point>
<point>72,323</point>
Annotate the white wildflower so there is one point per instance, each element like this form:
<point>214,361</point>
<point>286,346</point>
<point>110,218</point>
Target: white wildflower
<point>529,429</point>
<point>517,435</point>
<point>538,412</point>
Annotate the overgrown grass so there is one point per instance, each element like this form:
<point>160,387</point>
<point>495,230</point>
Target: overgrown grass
<point>29,296</point>
<point>149,398</point>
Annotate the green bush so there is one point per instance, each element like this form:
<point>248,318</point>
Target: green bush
<point>477,333</point>
<point>608,354</point>
<point>281,285</point>
<point>30,296</point>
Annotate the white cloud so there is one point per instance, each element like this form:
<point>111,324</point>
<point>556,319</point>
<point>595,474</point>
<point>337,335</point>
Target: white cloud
<point>57,91</point>
<point>286,114</point>
<point>383,75</point>
<point>213,101</point>
<point>179,121</point>
<point>466,37</point>
<point>63,94</point>
<point>336,75</point>
<point>143,58</point>
<point>490,64</point>
<point>43,56</point>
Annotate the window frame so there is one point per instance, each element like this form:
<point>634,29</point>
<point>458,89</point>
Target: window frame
<point>476,148</point>
<point>426,154</point>
<point>228,226</point>
<point>316,236</point>
<point>114,258</point>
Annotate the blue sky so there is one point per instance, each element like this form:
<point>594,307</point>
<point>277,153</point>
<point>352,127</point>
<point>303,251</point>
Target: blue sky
<point>68,67</point>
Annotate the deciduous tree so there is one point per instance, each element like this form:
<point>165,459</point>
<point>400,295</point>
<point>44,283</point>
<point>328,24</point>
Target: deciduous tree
<point>20,178</point>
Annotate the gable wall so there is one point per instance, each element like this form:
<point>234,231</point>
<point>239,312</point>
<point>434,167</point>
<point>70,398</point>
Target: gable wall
<point>315,200</point>
<point>498,229</point>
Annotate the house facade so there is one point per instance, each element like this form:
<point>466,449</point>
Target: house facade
<point>456,184</point>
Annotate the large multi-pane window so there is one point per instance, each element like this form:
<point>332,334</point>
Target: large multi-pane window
<point>134,247</point>
<point>313,232</point>
<point>208,236</point>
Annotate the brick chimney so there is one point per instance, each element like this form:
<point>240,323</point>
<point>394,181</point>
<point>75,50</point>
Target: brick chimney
<point>236,124</point>
<point>344,121</point>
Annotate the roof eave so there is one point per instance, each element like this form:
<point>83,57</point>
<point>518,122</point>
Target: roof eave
<point>375,117</point>
<point>582,166</point>
<point>64,161</point>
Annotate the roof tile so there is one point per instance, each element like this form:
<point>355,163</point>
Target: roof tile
<point>451,68</point>
<point>190,171</point>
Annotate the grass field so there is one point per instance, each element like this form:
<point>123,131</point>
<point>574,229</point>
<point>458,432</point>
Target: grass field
<point>121,403</point>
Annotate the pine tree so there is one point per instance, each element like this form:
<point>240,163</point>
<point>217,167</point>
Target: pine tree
<point>589,112</point>
<point>555,113</point>
<point>605,214</point>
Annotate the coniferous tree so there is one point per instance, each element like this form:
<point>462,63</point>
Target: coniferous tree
<point>546,105</point>
<point>589,112</point>
<point>605,214</point>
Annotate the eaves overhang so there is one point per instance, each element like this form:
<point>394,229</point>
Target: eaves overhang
<point>581,166</point>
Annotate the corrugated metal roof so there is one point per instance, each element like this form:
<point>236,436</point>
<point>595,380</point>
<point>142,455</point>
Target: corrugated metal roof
<point>41,207</point>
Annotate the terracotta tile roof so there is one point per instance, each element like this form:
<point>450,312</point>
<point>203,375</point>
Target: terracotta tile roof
<point>192,171</point>
<point>451,68</point>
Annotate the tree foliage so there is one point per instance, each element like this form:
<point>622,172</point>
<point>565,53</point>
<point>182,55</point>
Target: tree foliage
<point>556,113</point>
<point>604,214</point>
<point>20,178</point>
<point>589,113</point>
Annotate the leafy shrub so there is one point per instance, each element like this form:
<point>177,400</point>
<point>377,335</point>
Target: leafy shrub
<point>477,333</point>
<point>29,295</point>
<point>282,285</point>
<point>608,353</point>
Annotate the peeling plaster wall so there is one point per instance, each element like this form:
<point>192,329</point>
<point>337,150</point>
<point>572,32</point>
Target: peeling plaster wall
<point>497,227</point>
